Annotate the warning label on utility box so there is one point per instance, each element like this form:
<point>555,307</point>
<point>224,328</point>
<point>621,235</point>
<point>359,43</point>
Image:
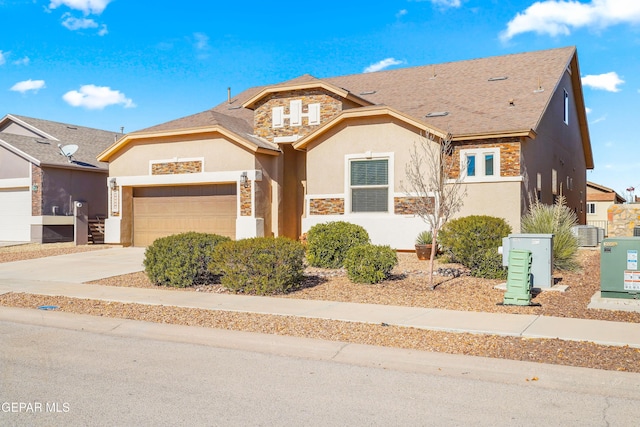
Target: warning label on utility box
<point>632,260</point>
<point>631,280</point>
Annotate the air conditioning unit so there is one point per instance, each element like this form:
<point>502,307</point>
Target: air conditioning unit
<point>587,235</point>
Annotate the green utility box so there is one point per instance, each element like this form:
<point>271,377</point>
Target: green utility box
<point>619,274</point>
<point>518,278</point>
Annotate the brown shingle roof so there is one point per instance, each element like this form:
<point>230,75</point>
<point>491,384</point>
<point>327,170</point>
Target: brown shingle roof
<point>493,95</point>
<point>45,150</point>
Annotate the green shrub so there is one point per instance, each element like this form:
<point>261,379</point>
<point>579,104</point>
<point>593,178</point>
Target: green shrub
<point>328,243</point>
<point>260,265</point>
<point>557,219</point>
<point>488,265</point>
<point>181,260</point>
<point>466,239</point>
<point>370,263</point>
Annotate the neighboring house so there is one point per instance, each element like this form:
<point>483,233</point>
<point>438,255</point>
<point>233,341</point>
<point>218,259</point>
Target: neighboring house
<point>599,200</point>
<point>278,159</point>
<point>38,183</point>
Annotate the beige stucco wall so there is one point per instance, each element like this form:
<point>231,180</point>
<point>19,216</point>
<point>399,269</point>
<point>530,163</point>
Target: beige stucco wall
<point>326,157</point>
<point>16,129</point>
<point>219,154</point>
<point>498,199</point>
<point>13,166</point>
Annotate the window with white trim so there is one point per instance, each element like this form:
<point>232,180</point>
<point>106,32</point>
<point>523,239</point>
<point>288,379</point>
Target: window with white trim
<point>369,185</point>
<point>566,107</point>
<point>591,208</point>
<point>480,164</point>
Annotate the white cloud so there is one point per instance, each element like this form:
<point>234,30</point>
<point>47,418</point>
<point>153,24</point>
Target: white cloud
<point>588,110</point>
<point>103,30</point>
<point>559,17</point>
<point>3,57</point>
<point>446,3</point>
<point>22,61</point>
<point>401,13</point>
<point>385,63</point>
<point>201,41</point>
<point>74,24</point>
<point>28,85</point>
<point>608,81</point>
<point>96,97</point>
<point>95,7</point>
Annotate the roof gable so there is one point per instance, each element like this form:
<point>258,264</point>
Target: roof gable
<point>40,141</point>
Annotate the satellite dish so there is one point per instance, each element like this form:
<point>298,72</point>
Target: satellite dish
<point>68,150</point>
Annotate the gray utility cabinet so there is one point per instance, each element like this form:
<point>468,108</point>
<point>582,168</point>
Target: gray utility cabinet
<point>541,247</point>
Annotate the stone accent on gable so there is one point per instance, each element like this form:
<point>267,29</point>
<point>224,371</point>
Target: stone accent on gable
<point>245,199</point>
<point>406,205</point>
<point>174,168</point>
<point>328,206</point>
<point>330,106</point>
<point>36,196</point>
<point>509,154</point>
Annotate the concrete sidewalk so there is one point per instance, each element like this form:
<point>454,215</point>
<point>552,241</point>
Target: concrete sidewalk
<point>64,275</point>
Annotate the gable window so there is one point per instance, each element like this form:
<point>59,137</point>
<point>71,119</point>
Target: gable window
<point>369,185</point>
<point>591,208</point>
<point>566,107</point>
<point>479,164</point>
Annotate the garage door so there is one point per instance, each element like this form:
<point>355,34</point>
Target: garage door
<point>162,211</point>
<point>15,215</point>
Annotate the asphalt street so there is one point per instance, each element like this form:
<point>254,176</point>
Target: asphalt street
<point>77,370</point>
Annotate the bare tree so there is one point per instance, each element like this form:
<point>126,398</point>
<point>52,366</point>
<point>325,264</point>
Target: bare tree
<point>434,186</point>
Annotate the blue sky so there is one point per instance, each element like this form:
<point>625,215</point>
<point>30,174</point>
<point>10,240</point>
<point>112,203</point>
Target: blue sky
<point>121,63</point>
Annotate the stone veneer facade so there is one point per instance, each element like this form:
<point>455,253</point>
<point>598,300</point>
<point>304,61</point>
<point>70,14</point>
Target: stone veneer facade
<point>406,205</point>
<point>36,196</point>
<point>622,219</point>
<point>330,106</point>
<point>509,154</point>
<point>335,206</point>
<point>329,206</point>
<point>245,199</point>
<point>171,168</point>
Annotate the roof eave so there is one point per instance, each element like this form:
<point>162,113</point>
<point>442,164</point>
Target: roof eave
<point>371,111</point>
<point>106,155</point>
<point>19,153</point>
<point>526,133</point>
<point>251,102</point>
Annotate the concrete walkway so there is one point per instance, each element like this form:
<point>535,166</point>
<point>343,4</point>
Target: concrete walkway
<point>65,274</point>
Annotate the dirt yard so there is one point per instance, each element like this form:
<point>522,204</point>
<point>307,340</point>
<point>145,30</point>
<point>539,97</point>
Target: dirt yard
<point>408,286</point>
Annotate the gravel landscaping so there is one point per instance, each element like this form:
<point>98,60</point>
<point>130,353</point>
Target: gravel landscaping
<point>407,286</point>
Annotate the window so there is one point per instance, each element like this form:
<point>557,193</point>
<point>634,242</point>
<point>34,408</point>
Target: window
<point>554,181</point>
<point>566,107</point>
<point>488,164</point>
<point>471,165</point>
<point>480,163</point>
<point>369,185</point>
<point>591,208</point>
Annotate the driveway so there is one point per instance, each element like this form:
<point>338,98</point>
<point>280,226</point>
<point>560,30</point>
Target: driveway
<point>76,268</point>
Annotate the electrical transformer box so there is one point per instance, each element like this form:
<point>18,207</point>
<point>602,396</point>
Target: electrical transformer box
<point>619,273</point>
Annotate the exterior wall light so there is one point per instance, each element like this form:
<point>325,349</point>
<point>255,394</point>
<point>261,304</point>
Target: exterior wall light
<point>244,179</point>
<point>112,183</point>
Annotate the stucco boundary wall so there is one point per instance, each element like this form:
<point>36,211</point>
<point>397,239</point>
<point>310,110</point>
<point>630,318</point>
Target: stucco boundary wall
<point>622,219</point>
